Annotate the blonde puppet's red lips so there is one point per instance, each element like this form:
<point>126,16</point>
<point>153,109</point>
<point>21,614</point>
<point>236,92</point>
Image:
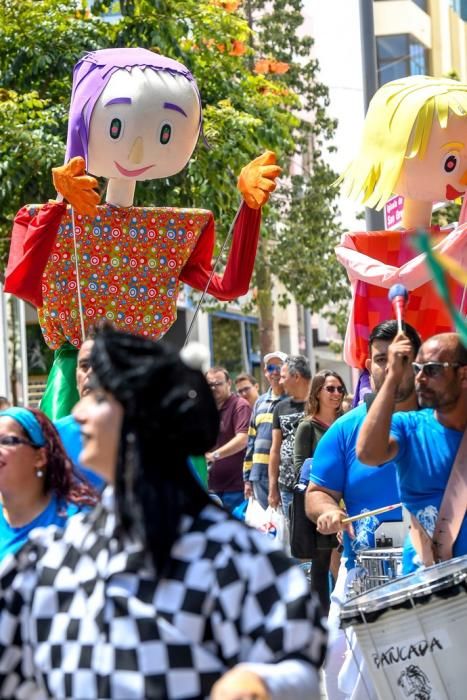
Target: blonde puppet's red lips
<point>452,193</point>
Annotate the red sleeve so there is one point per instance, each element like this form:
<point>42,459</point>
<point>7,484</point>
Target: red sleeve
<point>32,239</point>
<point>241,417</point>
<point>239,269</point>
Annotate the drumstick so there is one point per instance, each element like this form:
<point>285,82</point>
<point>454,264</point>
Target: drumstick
<point>368,513</point>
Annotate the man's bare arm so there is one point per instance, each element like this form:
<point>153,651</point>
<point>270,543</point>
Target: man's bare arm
<point>236,444</point>
<point>273,468</point>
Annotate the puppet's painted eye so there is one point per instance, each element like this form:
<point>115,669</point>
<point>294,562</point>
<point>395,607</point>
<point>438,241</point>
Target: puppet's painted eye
<point>450,163</point>
<point>166,133</point>
<point>115,128</point>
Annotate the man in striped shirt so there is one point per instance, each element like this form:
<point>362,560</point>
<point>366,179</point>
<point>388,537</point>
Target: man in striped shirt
<point>255,466</point>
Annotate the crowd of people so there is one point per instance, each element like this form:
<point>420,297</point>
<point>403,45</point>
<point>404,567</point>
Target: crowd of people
<point>211,608</point>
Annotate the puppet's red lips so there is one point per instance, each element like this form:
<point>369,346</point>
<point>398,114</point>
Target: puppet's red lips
<point>452,193</point>
<point>131,173</point>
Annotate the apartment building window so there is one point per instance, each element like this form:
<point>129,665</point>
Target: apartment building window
<point>400,55</point>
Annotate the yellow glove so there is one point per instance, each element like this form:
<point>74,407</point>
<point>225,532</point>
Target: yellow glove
<point>257,179</point>
<point>71,181</point>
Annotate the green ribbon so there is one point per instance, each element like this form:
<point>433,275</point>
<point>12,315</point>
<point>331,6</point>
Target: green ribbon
<point>61,392</point>
<point>422,241</point>
<point>200,467</point>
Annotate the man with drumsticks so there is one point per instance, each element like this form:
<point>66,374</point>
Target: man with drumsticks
<point>337,473</point>
<point>429,447</point>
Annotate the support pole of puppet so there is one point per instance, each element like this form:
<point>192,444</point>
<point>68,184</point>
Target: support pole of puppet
<point>23,345</point>
<point>78,281</point>
<point>374,219</point>
<point>398,296</point>
<point>4,374</point>
<point>214,267</point>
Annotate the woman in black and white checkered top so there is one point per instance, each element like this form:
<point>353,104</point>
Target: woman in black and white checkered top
<point>157,593</point>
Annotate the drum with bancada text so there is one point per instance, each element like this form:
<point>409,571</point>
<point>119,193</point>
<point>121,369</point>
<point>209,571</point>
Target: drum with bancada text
<point>412,633</point>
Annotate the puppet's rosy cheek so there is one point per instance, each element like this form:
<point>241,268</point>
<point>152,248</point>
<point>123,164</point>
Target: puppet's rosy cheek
<point>166,133</point>
<point>116,127</point>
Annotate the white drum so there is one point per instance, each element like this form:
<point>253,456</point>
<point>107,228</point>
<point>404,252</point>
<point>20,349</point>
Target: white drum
<point>413,633</point>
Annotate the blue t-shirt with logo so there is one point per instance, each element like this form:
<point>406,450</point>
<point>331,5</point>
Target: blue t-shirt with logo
<point>364,488</point>
<point>427,451</point>
<point>56,513</point>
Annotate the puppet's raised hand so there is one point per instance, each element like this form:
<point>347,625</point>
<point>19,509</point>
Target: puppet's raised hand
<point>257,179</point>
<point>71,181</point>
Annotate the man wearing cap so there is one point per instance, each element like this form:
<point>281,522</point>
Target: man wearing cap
<point>255,466</point>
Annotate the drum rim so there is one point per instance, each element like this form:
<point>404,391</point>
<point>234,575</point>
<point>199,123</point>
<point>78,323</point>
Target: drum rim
<point>353,611</point>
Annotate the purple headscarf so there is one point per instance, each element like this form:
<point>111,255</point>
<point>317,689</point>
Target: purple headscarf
<point>90,76</point>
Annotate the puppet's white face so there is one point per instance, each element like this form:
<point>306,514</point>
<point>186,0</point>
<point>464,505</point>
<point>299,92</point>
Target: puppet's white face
<point>442,173</point>
<point>144,126</point>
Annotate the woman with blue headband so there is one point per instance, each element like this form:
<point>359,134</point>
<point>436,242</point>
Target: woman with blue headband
<point>37,484</point>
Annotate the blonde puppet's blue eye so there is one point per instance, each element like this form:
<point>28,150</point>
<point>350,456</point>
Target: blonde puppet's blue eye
<point>166,133</point>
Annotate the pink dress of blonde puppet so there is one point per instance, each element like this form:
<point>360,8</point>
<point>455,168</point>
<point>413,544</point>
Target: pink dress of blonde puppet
<point>414,144</point>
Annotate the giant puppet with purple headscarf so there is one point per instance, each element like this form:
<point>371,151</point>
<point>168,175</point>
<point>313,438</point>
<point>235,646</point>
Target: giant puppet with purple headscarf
<point>134,116</point>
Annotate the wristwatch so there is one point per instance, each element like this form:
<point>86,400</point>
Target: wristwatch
<point>216,454</point>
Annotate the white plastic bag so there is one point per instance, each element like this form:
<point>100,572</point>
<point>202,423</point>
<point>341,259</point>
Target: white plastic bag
<point>272,522</point>
<point>280,528</point>
<point>255,515</point>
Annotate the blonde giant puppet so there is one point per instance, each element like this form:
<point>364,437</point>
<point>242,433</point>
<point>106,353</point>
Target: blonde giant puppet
<point>134,116</point>
<point>414,144</point>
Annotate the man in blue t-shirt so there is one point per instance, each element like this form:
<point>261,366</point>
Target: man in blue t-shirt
<point>338,474</point>
<point>423,444</point>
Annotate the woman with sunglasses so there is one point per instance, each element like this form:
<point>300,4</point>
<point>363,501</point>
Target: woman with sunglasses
<point>323,406</point>
<point>159,592</point>
<point>37,484</point>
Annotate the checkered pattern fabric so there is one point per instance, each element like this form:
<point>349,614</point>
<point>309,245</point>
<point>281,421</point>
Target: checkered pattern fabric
<point>83,614</point>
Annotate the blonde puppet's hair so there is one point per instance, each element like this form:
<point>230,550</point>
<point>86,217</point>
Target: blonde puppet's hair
<point>398,126</point>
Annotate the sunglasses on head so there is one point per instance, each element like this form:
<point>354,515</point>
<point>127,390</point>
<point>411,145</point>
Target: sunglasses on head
<point>273,368</point>
<point>333,389</point>
<point>432,369</point>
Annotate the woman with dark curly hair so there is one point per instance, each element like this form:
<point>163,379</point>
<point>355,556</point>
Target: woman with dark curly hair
<point>160,593</point>
<point>323,406</point>
<point>37,483</point>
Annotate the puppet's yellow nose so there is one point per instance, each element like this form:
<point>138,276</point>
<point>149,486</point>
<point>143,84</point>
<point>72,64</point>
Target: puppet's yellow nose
<point>463,179</point>
<point>136,152</point>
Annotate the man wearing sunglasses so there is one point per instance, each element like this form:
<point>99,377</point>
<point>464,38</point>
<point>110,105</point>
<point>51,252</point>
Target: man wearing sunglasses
<point>255,466</point>
<point>337,474</point>
<point>423,444</point>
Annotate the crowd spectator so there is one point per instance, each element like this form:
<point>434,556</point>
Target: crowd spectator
<point>247,387</point>
<point>295,379</point>
<point>37,483</point>
<point>323,406</point>
<point>68,427</point>
<point>226,457</point>
<point>255,466</point>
